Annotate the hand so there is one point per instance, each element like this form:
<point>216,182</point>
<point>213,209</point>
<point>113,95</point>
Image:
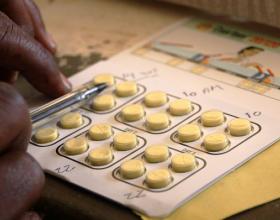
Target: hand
<point>21,178</point>
<point>26,47</point>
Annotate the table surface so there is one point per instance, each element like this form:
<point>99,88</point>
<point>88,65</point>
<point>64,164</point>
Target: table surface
<point>96,30</point>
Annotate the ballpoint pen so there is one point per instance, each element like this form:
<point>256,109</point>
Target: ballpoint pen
<point>68,102</point>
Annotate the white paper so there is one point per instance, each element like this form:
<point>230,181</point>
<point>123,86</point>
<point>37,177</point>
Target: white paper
<point>205,92</point>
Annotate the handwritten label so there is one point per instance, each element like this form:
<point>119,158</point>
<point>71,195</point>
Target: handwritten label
<point>140,75</point>
<point>190,94</point>
<point>204,91</point>
<point>64,169</point>
<point>253,114</point>
<point>211,89</point>
<point>135,195</point>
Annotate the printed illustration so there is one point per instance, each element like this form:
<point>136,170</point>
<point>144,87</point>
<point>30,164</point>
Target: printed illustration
<point>248,55</point>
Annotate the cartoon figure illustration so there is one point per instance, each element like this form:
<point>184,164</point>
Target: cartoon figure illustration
<point>242,57</point>
<point>203,58</point>
<point>264,75</point>
<point>209,44</point>
<point>240,62</point>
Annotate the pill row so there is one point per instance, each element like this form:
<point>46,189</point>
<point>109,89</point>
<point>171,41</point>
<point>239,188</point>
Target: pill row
<point>157,112</point>
<point>158,168</point>
<point>123,141</point>
<point>74,120</point>
<point>214,132</point>
<point>116,95</point>
<point>159,120</point>
<point>58,129</point>
<point>236,127</point>
<point>108,101</point>
<point>182,162</point>
<point>151,100</point>
<point>101,146</point>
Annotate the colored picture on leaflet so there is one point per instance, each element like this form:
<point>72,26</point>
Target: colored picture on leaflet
<point>230,50</point>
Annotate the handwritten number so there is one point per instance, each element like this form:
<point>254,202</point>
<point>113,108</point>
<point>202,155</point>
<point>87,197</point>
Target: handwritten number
<point>253,114</point>
<point>204,91</point>
<point>190,94</point>
<point>140,75</point>
<point>64,169</point>
<point>135,195</point>
<point>210,89</point>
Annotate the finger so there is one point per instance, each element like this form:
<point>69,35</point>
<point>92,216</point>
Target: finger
<point>39,27</point>
<point>21,52</point>
<point>15,122</point>
<point>21,182</point>
<point>18,12</point>
<point>26,14</point>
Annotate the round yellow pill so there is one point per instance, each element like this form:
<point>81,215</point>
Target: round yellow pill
<point>155,99</point>
<point>215,142</point>
<point>100,156</point>
<point>46,135</point>
<point>125,89</point>
<point>124,141</point>
<point>75,146</point>
<point>100,132</point>
<point>183,162</point>
<point>132,169</point>
<point>71,120</point>
<point>239,127</point>
<point>189,133</point>
<point>156,153</point>
<point>103,102</point>
<point>157,121</point>
<point>133,112</point>
<point>159,178</point>
<point>107,78</point>
<point>212,118</point>
<point>180,107</point>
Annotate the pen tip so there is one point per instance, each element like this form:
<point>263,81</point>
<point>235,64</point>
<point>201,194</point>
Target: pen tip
<point>101,86</point>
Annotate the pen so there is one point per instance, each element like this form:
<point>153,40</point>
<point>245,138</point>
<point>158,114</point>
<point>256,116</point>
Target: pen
<point>70,101</point>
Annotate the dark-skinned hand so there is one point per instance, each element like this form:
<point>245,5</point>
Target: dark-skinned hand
<point>25,48</point>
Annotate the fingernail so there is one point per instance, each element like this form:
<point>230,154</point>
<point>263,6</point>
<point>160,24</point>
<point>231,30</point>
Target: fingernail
<point>66,83</point>
<point>51,42</point>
